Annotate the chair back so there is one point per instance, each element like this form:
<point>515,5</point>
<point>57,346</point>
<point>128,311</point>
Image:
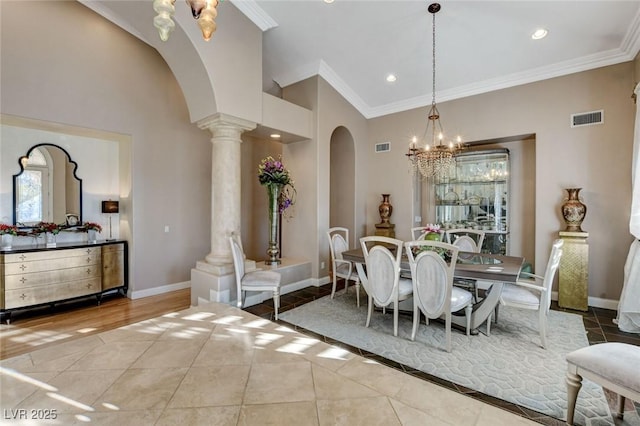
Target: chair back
<point>466,239</point>
<point>552,267</point>
<point>238,261</point>
<point>418,233</point>
<point>383,267</point>
<point>338,242</point>
<point>432,275</point>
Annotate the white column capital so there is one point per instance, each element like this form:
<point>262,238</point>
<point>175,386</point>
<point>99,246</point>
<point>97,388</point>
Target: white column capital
<point>224,125</point>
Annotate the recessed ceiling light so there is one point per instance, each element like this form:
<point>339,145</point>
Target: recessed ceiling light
<point>328,1</point>
<point>539,33</point>
<point>391,78</point>
<point>275,136</point>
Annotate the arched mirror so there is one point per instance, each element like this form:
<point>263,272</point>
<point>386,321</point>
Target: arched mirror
<point>47,189</point>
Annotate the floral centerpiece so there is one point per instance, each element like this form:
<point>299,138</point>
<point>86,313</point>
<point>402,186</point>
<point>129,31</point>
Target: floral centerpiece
<point>47,227</point>
<point>272,172</point>
<point>431,231</point>
<point>92,229</point>
<point>281,191</point>
<point>91,226</point>
<point>8,229</point>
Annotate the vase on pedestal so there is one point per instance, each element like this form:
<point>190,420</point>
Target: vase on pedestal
<point>273,190</point>
<point>385,209</point>
<point>573,210</point>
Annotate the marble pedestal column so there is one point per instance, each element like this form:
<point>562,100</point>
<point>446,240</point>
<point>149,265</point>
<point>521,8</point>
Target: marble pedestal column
<point>212,279</point>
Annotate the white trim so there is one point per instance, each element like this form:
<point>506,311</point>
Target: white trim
<point>256,14</point>
<point>154,291</point>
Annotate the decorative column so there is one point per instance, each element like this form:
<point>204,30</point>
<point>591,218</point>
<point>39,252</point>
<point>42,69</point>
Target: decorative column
<point>212,278</point>
<point>573,284</point>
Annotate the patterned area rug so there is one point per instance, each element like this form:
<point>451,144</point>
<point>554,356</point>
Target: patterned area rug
<point>509,364</point>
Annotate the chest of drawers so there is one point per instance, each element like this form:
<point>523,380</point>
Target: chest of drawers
<point>38,276</point>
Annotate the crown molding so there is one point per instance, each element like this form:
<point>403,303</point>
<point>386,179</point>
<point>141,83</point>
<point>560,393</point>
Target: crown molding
<point>255,13</point>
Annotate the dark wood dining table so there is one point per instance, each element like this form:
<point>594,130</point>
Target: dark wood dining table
<point>493,268</point>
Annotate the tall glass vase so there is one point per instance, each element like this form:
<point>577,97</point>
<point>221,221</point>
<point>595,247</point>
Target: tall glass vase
<point>273,190</point>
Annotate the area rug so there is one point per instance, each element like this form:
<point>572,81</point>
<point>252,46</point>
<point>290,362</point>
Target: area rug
<point>509,364</point>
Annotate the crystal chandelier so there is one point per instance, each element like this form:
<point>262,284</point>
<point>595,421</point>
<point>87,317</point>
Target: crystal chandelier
<point>433,158</point>
<point>204,11</point>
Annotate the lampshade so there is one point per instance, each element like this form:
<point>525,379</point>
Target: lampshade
<point>110,206</point>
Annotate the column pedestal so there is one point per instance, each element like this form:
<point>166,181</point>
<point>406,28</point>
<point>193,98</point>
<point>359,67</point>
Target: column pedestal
<point>573,285</point>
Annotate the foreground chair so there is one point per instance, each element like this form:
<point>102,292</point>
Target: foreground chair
<point>534,294</point>
<point>338,243</point>
<point>255,280</point>
<point>383,284</point>
<point>433,292</point>
<point>615,366</point>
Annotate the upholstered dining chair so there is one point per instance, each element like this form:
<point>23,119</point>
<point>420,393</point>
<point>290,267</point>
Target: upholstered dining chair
<point>533,291</point>
<point>469,240</point>
<point>259,280</point>
<point>465,239</point>
<point>383,284</point>
<point>432,264</point>
<point>341,268</point>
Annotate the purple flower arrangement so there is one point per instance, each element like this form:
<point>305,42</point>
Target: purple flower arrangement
<point>271,171</point>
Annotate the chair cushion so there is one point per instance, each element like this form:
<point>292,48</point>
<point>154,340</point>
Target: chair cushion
<point>520,295</point>
<point>261,278</point>
<point>459,298</point>
<point>343,269</point>
<point>616,362</point>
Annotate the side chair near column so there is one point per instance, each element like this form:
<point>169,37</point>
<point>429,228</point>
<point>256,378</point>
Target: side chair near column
<point>533,292</point>
<point>433,292</point>
<point>615,366</point>
<point>258,280</point>
<point>339,243</point>
<point>383,284</point>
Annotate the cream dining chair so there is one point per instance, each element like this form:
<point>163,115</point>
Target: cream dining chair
<point>341,268</point>
<point>533,292</point>
<point>259,280</point>
<point>383,283</point>
<point>469,240</point>
<point>432,265</point>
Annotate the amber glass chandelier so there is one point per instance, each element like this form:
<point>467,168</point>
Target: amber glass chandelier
<point>431,156</point>
<point>203,11</point>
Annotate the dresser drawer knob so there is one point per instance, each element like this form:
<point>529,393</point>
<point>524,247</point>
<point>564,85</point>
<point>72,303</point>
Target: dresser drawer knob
<point>23,296</point>
<point>89,285</point>
<point>23,267</point>
<point>88,260</point>
<point>23,257</point>
<point>89,271</point>
<point>23,280</point>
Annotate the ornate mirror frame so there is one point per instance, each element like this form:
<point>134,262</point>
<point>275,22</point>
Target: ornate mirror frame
<point>22,161</point>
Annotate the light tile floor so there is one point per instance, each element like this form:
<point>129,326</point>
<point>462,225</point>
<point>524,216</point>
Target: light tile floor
<point>218,365</point>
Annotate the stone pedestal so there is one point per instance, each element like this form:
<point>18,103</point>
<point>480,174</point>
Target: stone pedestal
<point>573,286</point>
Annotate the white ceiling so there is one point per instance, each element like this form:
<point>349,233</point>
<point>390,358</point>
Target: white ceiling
<point>480,45</point>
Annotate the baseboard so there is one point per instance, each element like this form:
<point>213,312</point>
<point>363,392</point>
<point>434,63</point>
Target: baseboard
<point>159,290</point>
<point>595,302</point>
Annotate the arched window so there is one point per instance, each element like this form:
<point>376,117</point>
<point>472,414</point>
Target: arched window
<point>33,188</point>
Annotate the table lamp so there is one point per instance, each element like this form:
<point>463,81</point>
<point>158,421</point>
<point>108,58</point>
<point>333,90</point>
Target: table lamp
<point>110,207</point>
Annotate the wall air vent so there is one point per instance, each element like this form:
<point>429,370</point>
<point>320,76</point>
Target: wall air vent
<point>383,147</point>
<point>587,118</point>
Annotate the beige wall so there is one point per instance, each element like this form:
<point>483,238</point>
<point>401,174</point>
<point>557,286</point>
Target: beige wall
<point>342,182</point>
<point>65,64</point>
<point>596,158</point>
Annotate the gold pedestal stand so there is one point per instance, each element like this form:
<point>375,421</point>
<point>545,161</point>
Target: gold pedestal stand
<point>573,285</point>
<point>386,230</point>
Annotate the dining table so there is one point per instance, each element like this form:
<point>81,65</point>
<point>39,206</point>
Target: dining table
<point>494,269</point>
